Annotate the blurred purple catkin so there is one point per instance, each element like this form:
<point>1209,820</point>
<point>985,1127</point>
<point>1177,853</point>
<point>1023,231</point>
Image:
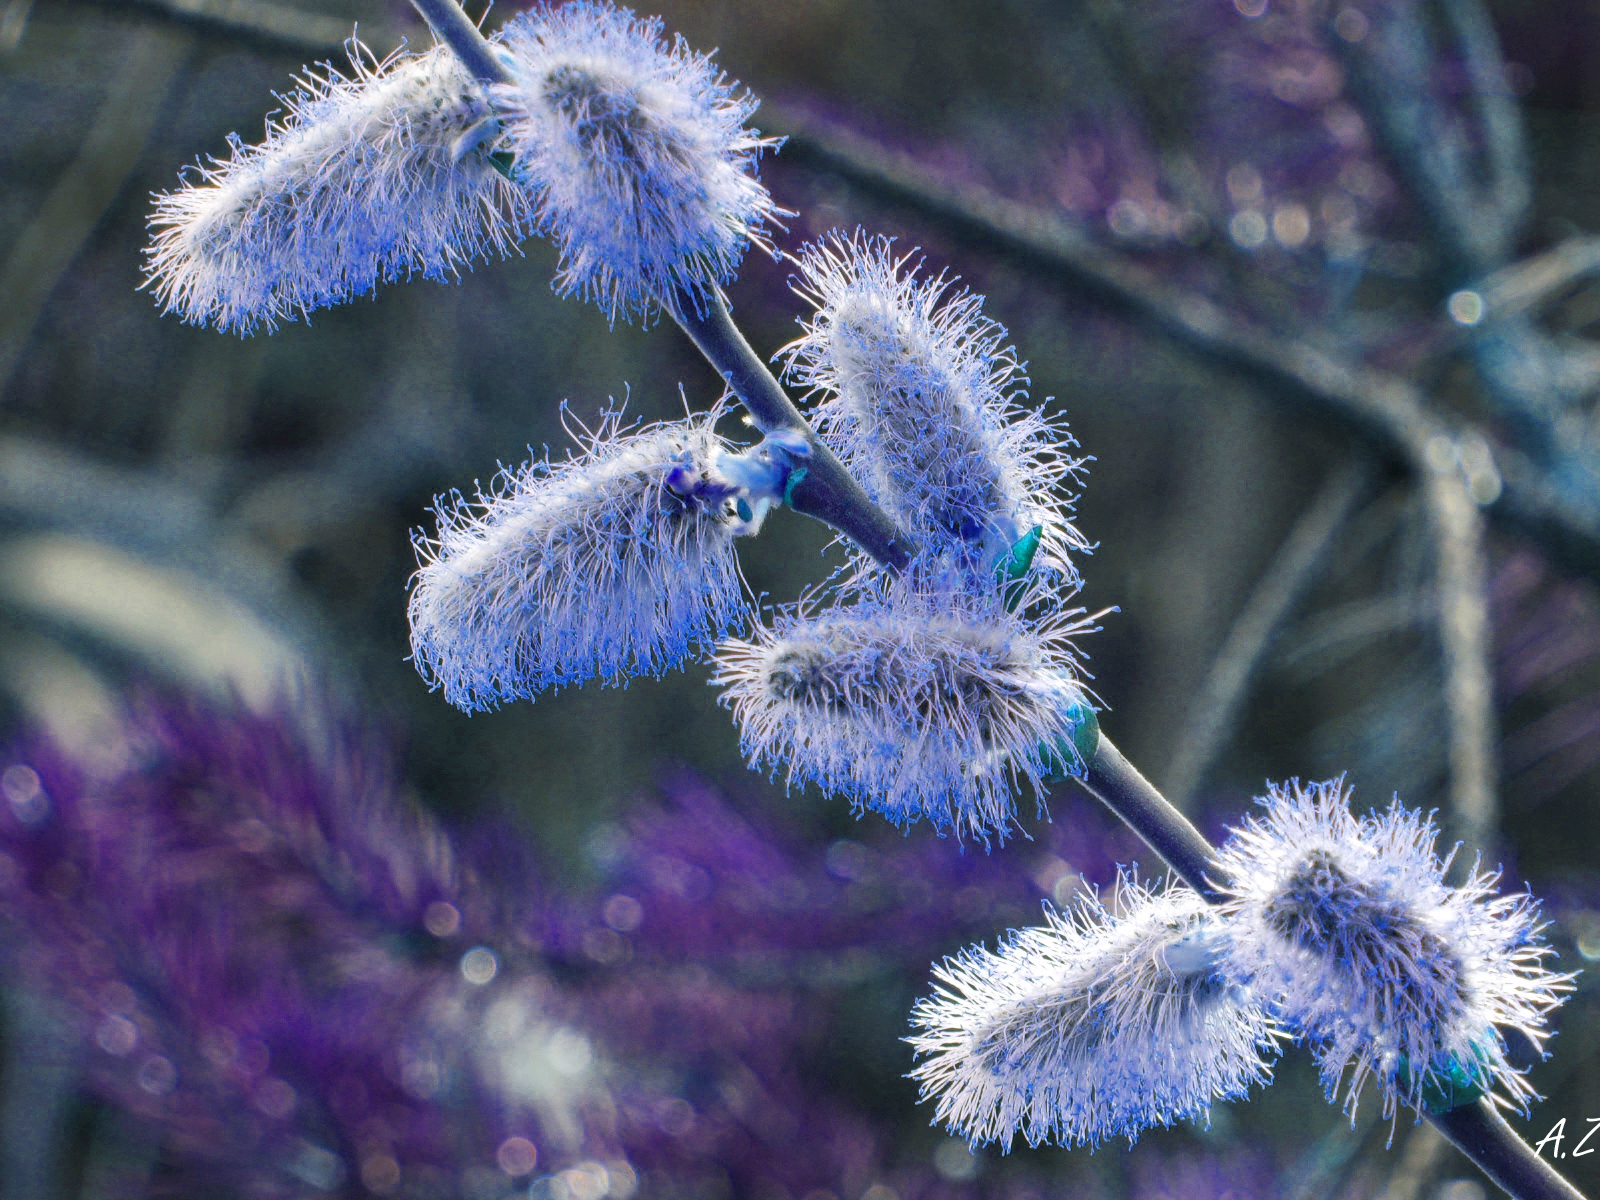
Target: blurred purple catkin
<point>694,879</point>
<point>261,940</point>
<point>297,981</point>
<point>727,954</point>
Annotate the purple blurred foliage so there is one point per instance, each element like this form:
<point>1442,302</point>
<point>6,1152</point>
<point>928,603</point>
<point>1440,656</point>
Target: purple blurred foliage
<point>1206,129</point>
<point>1242,1175</point>
<point>237,919</point>
<point>727,954</point>
<point>691,878</point>
<point>1274,85</point>
<point>301,985</point>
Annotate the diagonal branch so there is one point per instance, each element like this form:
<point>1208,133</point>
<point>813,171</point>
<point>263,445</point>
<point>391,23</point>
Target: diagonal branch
<point>1463,617</point>
<point>826,491</point>
<point>1295,565</point>
<point>1388,413</point>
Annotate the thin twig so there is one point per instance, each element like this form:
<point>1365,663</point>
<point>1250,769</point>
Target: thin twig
<point>827,492</point>
<point>1117,783</point>
<point>1291,571</point>
<point>1463,622</point>
<point>452,26</point>
<point>1341,629</point>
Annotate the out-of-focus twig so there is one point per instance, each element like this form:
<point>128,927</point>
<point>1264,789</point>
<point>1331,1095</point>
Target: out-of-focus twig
<point>1509,187</point>
<point>51,489</point>
<point>288,25</point>
<point>1387,412</point>
<point>1291,571</point>
<point>1349,625</point>
<point>1391,71</point>
<point>88,186</point>
<point>1463,621</point>
<point>1524,285</point>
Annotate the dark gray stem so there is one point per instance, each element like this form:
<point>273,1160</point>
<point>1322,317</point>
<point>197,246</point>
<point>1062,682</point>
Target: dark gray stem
<point>1482,1134</point>
<point>828,492</point>
<point>1477,1130</point>
<point>452,26</point>
<point>1116,782</point>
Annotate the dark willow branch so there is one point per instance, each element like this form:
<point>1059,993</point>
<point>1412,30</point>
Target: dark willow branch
<point>1482,1134</point>
<point>826,490</point>
<point>1116,782</point>
<point>452,26</point>
<point>1477,1129</point>
<point>1108,775</point>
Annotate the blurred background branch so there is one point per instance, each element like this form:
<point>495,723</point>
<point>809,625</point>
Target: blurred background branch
<point>1317,285</point>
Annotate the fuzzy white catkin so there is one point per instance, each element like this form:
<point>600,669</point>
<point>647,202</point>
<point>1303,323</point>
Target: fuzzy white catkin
<point>917,391</point>
<point>910,704</point>
<point>1101,1023</point>
<point>635,154</point>
<point>366,178</point>
<point>1347,924</point>
<point>631,153</point>
<point>590,568</point>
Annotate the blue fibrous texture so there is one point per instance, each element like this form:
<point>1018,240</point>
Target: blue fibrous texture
<point>1347,925</point>
<point>590,568</point>
<point>910,704</point>
<point>1101,1023</point>
<point>920,396</point>
<point>366,178</point>
<point>635,154</point>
